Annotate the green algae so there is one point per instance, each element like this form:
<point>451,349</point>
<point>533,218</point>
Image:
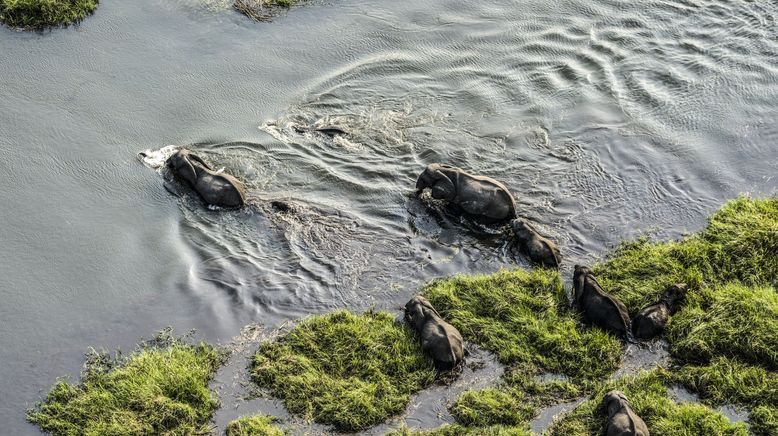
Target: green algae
<point>162,388</point>
<point>350,371</point>
<point>648,396</point>
<point>37,14</point>
<point>256,425</point>
<point>524,318</point>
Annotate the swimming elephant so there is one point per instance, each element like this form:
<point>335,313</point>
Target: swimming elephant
<point>481,198</point>
<point>622,421</point>
<point>439,339</point>
<point>218,189</point>
<point>597,306</point>
<point>652,319</point>
<point>539,249</point>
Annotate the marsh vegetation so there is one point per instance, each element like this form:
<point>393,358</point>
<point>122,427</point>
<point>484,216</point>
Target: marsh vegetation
<point>38,14</point>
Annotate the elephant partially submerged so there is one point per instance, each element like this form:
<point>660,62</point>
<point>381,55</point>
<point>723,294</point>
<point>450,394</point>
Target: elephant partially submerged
<point>439,339</point>
<point>652,319</point>
<point>478,197</point>
<point>597,306</point>
<point>539,249</point>
<point>218,189</point>
<point>622,421</point>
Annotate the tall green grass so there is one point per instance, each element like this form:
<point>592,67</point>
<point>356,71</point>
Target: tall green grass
<point>350,371</point>
<point>36,14</point>
<point>256,425</point>
<point>159,389</point>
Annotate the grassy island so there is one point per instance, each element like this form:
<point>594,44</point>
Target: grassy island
<point>257,425</point>
<point>39,14</point>
<point>161,388</point>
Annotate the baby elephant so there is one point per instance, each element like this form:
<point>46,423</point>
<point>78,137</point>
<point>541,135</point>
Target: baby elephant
<point>597,306</point>
<point>651,320</point>
<point>539,249</point>
<point>439,339</point>
<point>481,198</point>
<point>218,189</point>
<point>622,421</point>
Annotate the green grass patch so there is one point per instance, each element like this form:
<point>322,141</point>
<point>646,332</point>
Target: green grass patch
<point>350,371</point>
<point>739,244</point>
<point>726,381</point>
<point>649,399</point>
<point>524,318</point>
<point>162,388</point>
<point>256,425</point>
<point>764,421</point>
<point>730,321</point>
<point>37,14</point>
<point>458,430</point>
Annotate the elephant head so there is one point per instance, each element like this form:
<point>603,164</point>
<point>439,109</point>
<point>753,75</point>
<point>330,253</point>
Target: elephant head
<point>437,177</point>
<point>417,310</point>
<point>579,280</point>
<point>183,164</point>
<point>674,297</point>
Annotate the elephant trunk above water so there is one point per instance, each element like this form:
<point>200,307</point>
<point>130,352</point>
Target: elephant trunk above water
<point>218,189</point>
<point>482,198</point>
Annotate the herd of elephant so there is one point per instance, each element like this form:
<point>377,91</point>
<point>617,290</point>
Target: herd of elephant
<point>488,202</point>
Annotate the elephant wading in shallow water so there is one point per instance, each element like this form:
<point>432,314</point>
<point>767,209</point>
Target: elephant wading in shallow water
<point>217,189</point>
<point>481,198</point>
<point>622,421</point>
<point>539,249</point>
<point>439,339</point>
<point>652,319</point>
<point>597,306</point>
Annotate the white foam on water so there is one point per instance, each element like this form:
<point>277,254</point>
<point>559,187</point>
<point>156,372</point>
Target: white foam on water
<point>156,158</point>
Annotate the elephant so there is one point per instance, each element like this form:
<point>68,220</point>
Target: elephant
<point>481,198</point>
<point>439,339</point>
<point>652,319</point>
<point>622,421</point>
<point>539,249</point>
<point>324,129</point>
<point>217,189</point>
<point>597,306</point>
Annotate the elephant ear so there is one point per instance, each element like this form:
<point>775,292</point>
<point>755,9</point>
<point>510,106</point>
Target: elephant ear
<point>200,160</point>
<point>444,188</point>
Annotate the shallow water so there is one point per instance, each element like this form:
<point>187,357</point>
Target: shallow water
<point>606,119</point>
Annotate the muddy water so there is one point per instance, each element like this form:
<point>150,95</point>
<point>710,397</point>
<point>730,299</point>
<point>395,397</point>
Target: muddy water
<point>607,119</point>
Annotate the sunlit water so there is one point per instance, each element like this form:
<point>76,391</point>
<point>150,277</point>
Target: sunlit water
<point>606,119</point>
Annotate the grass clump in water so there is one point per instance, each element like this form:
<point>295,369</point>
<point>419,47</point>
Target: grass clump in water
<point>524,318</point>
<point>739,244</point>
<point>458,430</point>
<point>730,321</point>
<point>257,425</point>
<point>261,10</point>
<point>649,399</point>
<point>162,388</point>
<point>764,421</point>
<point>350,371</point>
<point>37,14</point>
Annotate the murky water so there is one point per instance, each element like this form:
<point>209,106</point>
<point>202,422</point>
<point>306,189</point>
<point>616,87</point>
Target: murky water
<point>606,119</point>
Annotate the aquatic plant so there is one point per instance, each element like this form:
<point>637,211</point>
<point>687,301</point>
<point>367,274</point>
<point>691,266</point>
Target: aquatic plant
<point>261,10</point>
<point>731,321</point>
<point>458,430</point>
<point>36,14</point>
<point>350,371</point>
<point>649,399</point>
<point>162,388</point>
<point>764,421</point>
<point>256,425</point>
<point>523,317</point>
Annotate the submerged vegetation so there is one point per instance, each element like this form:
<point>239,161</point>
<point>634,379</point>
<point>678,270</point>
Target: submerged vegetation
<point>257,425</point>
<point>350,371</point>
<point>37,14</point>
<point>261,10</point>
<point>159,389</point>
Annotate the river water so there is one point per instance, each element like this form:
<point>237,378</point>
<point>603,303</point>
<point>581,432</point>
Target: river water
<point>607,119</point>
